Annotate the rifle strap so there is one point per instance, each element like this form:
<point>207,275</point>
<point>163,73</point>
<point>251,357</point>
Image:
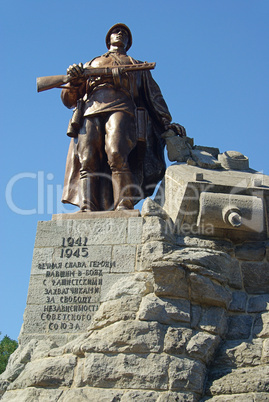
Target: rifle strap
<point>115,71</point>
<point>116,77</point>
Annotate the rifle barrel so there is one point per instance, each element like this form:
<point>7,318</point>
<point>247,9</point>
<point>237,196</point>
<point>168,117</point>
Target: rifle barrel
<point>56,81</point>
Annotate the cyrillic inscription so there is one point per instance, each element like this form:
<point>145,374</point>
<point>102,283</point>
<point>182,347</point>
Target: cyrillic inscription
<point>72,288</point>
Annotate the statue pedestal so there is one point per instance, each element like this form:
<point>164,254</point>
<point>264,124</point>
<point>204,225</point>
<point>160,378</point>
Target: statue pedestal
<point>77,258</point>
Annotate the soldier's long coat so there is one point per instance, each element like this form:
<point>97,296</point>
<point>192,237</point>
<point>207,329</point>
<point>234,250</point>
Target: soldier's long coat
<point>146,160</point>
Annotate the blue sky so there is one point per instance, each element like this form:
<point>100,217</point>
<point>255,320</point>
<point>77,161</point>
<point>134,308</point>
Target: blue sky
<point>212,67</point>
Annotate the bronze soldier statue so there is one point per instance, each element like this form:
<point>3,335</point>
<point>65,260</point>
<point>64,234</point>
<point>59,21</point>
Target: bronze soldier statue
<point>116,158</point>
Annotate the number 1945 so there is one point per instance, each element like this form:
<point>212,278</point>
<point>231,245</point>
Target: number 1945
<point>69,242</point>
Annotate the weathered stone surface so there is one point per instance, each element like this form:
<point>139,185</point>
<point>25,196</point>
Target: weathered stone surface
<point>186,374</point>
<point>126,258</point>
<point>3,386</point>
<point>202,346</point>
<point>239,354</point>
<point>151,252</point>
<point>59,339</point>
<point>126,336</point>
<point>140,396</point>
<point>93,215</point>
<point>239,326</point>
<point>103,231</point>
<point>125,371</point>
<point>242,380</point>
<point>44,237</point>
<point>165,311</point>
<point>108,282</point>
<point>250,251</point>
<point>157,229</point>
<point>162,315</point>
<point>212,320</point>
<point>196,314</point>
<point>151,208</point>
<point>213,260</point>
<point>91,394</point>
<point>205,159</point>
<point>209,244</point>
<point>169,279</point>
<point>111,395</point>
<point>137,284</point>
<point>176,339</point>
<point>211,150</point>
<point>24,354</point>
<point>257,304</point>
<point>239,301</point>
<point>191,162</point>
<point>75,263</point>
<point>171,396</point>
<point>134,230</point>
<point>69,346</point>
<point>241,215</point>
<point>41,255</point>
<point>179,175</point>
<point>98,231</point>
<point>265,351</point>
<point>206,292</point>
<point>214,276</point>
<point>32,323</point>
<point>233,160</point>
<point>16,364</point>
<point>245,397</point>
<point>256,277</point>
<point>56,371</point>
<point>124,308</point>
<point>32,395</point>
<point>178,149</point>
<point>261,325</point>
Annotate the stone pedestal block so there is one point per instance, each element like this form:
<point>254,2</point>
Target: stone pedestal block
<point>75,263</point>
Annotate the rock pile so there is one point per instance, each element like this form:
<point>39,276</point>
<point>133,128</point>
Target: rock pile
<point>192,322</point>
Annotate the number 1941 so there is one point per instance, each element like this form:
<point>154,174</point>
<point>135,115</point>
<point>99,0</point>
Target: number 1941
<point>78,251</point>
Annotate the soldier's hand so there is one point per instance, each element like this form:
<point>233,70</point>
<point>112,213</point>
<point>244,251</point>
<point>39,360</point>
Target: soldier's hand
<point>166,123</point>
<point>76,70</point>
<point>178,129</point>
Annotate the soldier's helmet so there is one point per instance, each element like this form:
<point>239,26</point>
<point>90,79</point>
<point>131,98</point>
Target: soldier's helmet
<point>119,26</point>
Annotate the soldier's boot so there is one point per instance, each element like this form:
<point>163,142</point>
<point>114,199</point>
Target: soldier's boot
<point>89,192</point>
<point>122,183</point>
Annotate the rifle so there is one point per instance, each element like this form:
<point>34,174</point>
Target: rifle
<point>57,81</point>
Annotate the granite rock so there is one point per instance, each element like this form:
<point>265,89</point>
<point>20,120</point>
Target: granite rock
<point>242,380</point>
<point>126,336</point>
<point>169,280</point>
<point>125,371</point>
<point>151,208</point>
<point>178,310</point>
<point>165,311</point>
<point>205,159</point>
<point>33,395</point>
<point>56,371</point>
<point>176,339</point>
<point>116,310</point>
<point>256,277</point>
<point>237,353</point>
<point>178,148</point>
<point>202,346</point>
<point>206,292</point>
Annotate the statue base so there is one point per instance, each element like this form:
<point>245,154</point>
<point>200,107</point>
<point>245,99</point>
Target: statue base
<point>77,258</point>
<point>126,213</point>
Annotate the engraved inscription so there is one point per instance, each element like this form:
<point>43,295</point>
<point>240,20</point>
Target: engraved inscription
<point>72,247</point>
<point>71,287</point>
